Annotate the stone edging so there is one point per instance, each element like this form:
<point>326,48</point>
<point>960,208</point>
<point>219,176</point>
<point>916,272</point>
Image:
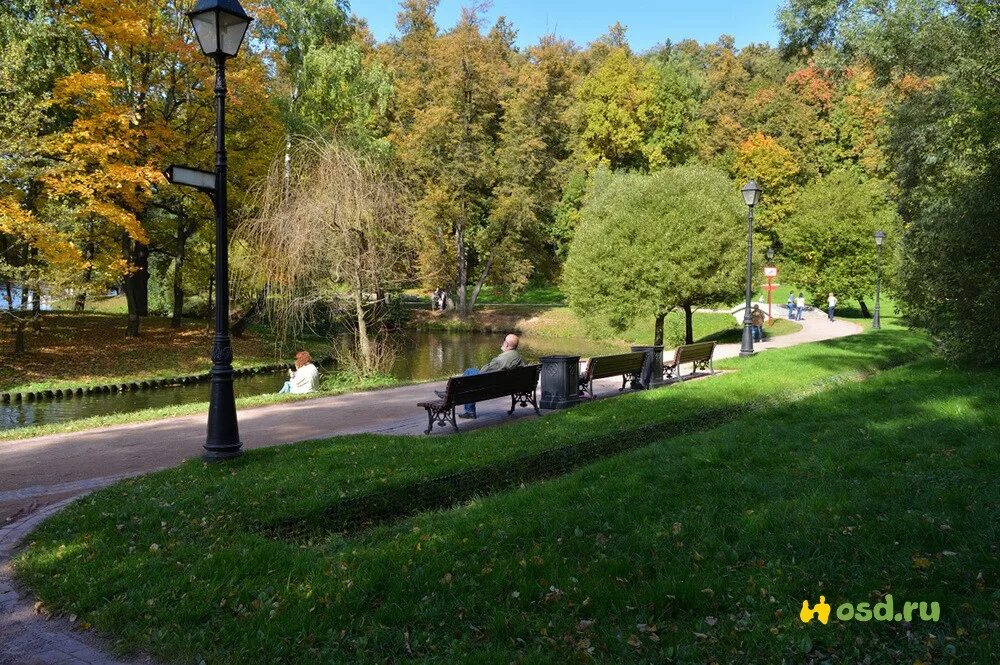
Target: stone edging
<point>134,386</point>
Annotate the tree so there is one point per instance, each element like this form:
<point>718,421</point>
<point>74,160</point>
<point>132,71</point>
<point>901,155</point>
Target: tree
<point>620,111</point>
<point>829,239</point>
<point>722,112</point>
<point>647,244</point>
<point>773,166</point>
<point>447,141</point>
<point>37,252</point>
<point>940,99</point>
<point>679,129</point>
<point>333,233</point>
<point>533,156</point>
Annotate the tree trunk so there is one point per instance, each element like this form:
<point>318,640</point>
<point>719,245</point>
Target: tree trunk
<point>178,308</point>
<point>864,307</point>
<point>88,274</point>
<point>688,324</point>
<point>132,285</point>
<point>240,325</point>
<point>141,278</point>
<point>479,283</point>
<point>658,329</point>
<point>462,276</point>
<point>132,328</point>
<point>36,310</point>
<point>178,283</point>
<point>364,344</point>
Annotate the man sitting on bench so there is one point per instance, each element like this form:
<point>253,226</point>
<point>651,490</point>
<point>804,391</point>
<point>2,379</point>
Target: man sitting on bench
<point>509,358</point>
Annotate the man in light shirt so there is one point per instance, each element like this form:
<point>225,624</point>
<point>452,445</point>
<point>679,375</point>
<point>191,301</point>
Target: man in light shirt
<point>831,304</point>
<point>800,305</point>
<point>305,378</point>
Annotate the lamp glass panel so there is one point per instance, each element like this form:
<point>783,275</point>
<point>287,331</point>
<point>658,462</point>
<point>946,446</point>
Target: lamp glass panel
<point>232,30</point>
<point>751,196</point>
<point>204,28</point>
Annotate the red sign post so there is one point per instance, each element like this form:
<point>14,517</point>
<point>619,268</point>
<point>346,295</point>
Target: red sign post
<point>770,272</point>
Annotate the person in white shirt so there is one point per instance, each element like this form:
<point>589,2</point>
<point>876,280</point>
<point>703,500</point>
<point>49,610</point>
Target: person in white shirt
<point>831,304</point>
<point>305,378</point>
<point>800,305</point>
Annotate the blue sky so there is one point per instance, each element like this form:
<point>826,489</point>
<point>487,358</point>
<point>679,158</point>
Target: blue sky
<point>649,22</point>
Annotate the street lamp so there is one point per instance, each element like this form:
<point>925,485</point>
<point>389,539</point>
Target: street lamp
<point>877,319</point>
<point>220,26</point>
<point>751,195</point>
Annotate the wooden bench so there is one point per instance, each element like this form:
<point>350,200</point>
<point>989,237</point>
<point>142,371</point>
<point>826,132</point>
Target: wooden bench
<point>627,365</point>
<point>699,355</point>
<point>519,384</point>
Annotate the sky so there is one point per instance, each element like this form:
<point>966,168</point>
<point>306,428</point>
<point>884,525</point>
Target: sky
<point>649,22</point>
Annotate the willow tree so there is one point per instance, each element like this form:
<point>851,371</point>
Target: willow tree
<point>330,235</point>
<point>647,244</point>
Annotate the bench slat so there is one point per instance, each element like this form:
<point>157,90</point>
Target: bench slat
<point>519,384</point>
<point>602,367</point>
<point>697,354</point>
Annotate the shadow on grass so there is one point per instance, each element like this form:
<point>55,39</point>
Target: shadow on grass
<point>703,410</point>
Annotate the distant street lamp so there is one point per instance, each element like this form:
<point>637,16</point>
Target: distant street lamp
<point>877,319</point>
<point>220,26</point>
<point>751,195</point>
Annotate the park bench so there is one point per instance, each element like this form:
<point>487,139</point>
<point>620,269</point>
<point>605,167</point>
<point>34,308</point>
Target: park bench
<point>699,355</point>
<point>627,365</point>
<point>519,384</point>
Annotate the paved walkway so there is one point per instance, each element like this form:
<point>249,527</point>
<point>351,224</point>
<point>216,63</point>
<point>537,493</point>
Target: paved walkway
<point>38,471</point>
<point>41,475</point>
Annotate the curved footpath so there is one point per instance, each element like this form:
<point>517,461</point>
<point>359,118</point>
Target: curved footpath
<point>41,475</point>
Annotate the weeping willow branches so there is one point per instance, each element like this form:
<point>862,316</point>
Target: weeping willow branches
<point>331,235</point>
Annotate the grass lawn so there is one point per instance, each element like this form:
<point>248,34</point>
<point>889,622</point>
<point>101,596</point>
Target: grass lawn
<point>539,294</point>
<point>533,295</point>
<point>561,323</point>
<point>806,495</point>
<point>80,348</point>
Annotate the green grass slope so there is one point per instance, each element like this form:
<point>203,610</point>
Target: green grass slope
<point>694,547</point>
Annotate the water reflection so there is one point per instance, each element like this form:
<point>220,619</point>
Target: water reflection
<point>421,355</point>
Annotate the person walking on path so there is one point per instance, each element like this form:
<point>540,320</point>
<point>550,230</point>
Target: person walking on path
<point>831,305</point>
<point>791,305</point>
<point>509,358</point>
<point>800,306</point>
<point>757,323</point>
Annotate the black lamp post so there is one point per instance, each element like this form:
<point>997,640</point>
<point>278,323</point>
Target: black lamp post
<point>751,195</point>
<point>220,26</point>
<point>877,319</point>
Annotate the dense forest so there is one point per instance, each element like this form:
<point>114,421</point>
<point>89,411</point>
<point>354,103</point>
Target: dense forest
<point>868,114</point>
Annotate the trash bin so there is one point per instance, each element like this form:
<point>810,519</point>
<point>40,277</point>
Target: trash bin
<point>560,381</point>
<point>652,369</point>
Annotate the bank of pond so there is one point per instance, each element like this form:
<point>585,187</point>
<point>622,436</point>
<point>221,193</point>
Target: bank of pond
<point>421,355</point>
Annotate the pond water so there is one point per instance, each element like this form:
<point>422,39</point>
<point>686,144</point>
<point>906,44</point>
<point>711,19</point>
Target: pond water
<point>421,355</point>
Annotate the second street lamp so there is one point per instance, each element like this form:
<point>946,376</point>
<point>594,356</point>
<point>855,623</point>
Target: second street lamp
<point>751,195</point>
<point>877,319</point>
<point>220,26</point>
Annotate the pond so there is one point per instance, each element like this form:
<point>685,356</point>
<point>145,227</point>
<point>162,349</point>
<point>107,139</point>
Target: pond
<point>420,356</point>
